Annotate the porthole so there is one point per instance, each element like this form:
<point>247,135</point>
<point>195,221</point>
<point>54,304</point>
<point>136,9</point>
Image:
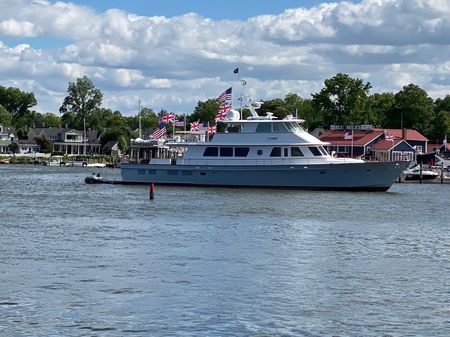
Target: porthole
<point>259,152</point>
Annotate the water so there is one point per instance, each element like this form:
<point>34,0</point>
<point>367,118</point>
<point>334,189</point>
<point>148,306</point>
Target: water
<point>103,260</point>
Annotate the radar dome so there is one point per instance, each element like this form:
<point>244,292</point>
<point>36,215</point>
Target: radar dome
<point>233,115</point>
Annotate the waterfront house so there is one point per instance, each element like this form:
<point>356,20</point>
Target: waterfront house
<point>7,136</point>
<point>361,142</point>
<point>67,141</point>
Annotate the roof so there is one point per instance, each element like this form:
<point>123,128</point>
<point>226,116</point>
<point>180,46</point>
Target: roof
<point>360,138</point>
<point>386,145</point>
<point>410,134</point>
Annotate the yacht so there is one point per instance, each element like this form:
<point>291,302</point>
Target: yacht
<point>262,152</point>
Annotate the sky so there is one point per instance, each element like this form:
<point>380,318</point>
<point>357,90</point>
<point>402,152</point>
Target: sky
<point>171,54</point>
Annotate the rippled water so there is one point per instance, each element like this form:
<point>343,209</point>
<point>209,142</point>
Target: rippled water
<point>103,260</point>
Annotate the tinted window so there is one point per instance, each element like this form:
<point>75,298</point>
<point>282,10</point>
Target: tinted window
<point>226,152</point>
<point>314,150</point>
<point>276,152</point>
<point>286,152</point>
<point>241,151</point>
<point>296,152</point>
<point>279,127</point>
<point>264,127</point>
<point>211,152</point>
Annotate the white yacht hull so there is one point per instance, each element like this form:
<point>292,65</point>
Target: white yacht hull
<point>369,176</point>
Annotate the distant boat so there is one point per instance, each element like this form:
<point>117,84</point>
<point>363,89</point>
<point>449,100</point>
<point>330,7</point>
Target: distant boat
<point>414,173</point>
<point>260,151</point>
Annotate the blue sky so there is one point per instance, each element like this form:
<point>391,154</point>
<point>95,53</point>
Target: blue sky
<point>153,52</point>
<point>227,9</point>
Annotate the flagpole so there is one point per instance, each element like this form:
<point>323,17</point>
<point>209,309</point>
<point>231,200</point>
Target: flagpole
<point>352,144</point>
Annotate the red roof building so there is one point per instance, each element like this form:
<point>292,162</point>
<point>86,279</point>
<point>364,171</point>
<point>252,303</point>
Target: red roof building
<point>375,143</point>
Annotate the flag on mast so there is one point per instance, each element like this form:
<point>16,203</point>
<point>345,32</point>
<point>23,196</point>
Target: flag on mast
<point>225,96</point>
<point>160,131</point>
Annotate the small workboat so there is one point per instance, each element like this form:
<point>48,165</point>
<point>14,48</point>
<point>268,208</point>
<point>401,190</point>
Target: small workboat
<point>415,173</point>
<point>94,179</point>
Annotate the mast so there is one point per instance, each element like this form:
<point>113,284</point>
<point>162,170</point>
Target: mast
<point>140,119</point>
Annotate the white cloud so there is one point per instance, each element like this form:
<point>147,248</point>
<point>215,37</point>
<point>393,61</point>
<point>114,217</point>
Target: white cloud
<point>174,62</point>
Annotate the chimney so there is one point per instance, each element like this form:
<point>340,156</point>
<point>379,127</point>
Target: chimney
<point>404,133</point>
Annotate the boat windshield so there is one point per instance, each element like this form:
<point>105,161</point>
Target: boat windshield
<point>293,127</point>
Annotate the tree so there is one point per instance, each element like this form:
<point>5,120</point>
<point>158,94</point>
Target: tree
<point>439,127</point>
<point>45,144</point>
<point>379,107</point>
<point>82,101</point>
<point>205,112</point>
<point>16,101</point>
<point>5,117</point>
<point>342,100</point>
<point>442,104</point>
<point>50,120</point>
<point>412,109</point>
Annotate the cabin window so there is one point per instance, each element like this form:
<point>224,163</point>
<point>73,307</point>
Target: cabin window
<point>286,152</point>
<point>151,172</point>
<point>141,172</point>
<point>264,128</point>
<point>279,127</point>
<point>296,152</point>
<point>211,152</point>
<point>315,151</point>
<point>186,173</point>
<point>226,152</point>
<point>241,151</point>
<point>276,152</point>
<point>172,172</point>
<point>234,129</point>
<point>323,151</point>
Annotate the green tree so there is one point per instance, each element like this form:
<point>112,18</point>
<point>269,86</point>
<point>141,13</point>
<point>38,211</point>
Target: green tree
<point>277,106</point>
<point>412,109</point>
<point>45,144</point>
<point>442,104</point>
<point>440,126</point>
<point>303,108</point>
<point>16,101</point>
<point>379,106</point>
<point>342,100</point>
<point>123,143</point>
<point>5,117</point>
<point>50,120</point>
<point>205,112</point>
<point>83,100</point>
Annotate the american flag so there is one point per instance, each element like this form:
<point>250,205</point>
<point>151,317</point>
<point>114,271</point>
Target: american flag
<point>180,121</point>
<point>170,118</point>
<point>195,126</point>
<point>225,96</point>
<point>203,127</point>
<point>212,129</point>
<point>221,115</point>
<point>388,137</point>
<point>160,131</point>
